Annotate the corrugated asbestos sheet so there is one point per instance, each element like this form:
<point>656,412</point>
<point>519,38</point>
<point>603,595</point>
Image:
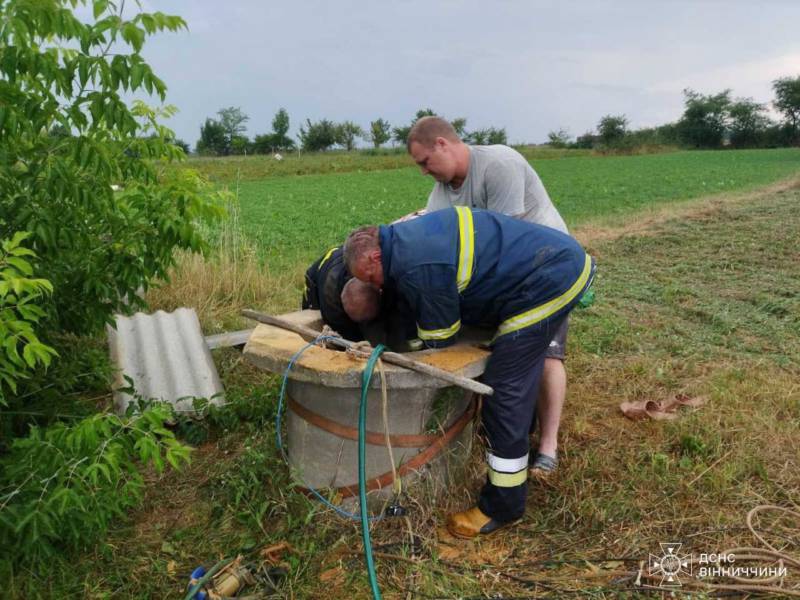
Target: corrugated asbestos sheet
<point>167,358</point>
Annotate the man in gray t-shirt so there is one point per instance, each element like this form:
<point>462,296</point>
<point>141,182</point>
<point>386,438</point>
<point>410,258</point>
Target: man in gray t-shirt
<point>497,178</point>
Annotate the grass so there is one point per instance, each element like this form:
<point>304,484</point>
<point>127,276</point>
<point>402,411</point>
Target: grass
<point>705,303</point>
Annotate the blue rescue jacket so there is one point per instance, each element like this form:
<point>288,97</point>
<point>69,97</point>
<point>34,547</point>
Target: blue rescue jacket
<point>471,266</point>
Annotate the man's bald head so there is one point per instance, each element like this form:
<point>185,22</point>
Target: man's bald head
<point>427,129</point>
<point>360,300</point>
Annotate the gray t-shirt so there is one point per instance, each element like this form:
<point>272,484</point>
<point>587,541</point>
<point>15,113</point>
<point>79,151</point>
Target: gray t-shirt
<point>500,179</point>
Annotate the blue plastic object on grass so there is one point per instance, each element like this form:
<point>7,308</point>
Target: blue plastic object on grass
<point>196,575</point>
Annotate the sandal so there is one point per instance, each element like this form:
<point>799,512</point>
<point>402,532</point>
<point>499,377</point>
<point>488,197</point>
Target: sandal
<point>543,465</point>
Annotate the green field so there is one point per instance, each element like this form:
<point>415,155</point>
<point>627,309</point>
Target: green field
<point>295,218</point>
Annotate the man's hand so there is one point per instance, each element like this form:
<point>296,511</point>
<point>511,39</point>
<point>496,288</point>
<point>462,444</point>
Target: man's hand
<point>410,216</point>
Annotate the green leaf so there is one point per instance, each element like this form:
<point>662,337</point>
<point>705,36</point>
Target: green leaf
<point>19,237</point>
<point>172,459</point>
<point>29,355</point>
<point>137,72</point>
<point>23,266</point>
<point>22,251</point>
<point>100,7</point>
<point>133,35</point>
<point>83,71</point>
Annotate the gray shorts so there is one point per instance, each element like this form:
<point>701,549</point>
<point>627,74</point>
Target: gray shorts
<point>558,347</point>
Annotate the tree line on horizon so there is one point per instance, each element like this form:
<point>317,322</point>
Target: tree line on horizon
<point>226,135</point>
<point>708,121</point>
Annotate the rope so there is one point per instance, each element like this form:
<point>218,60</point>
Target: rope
<point>397,485</point>
<point>745,553</point>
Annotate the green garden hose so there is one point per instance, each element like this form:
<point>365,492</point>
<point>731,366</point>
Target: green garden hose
<point>366,377</point>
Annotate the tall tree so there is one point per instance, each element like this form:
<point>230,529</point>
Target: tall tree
<point>318,136</point>
<point>400,134</point>
<point>277,140</point>
<point>346,133</point>
<point>496,135</point>
<point>280,122</point>
<point>704,119</point>
<point>612,129</point>
<point>379,132</point>
<point>787,101</point>
<point>233,122</point>
<point>479,137</point>
<point>212,138</point>
<point>280,130</point>
<point>460,125</point>
<point>748,123</point>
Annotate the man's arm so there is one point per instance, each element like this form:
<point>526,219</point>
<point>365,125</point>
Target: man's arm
<point>431,292</point>
<point>436,200</point>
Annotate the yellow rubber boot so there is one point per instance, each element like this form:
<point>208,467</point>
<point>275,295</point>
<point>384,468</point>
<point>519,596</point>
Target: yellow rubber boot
<point>471,523</point>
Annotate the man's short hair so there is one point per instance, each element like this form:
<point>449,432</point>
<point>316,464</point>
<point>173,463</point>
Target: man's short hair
<point>358,243</point>
<point>427,129</point>
<point>360,300</point>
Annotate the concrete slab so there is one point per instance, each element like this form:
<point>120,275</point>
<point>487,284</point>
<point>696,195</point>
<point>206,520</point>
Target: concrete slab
<point>271,349</point>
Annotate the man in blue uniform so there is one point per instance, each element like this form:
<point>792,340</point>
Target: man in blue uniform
<point>471,266</point>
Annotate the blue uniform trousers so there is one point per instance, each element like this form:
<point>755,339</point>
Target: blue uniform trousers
<point>514,372</point>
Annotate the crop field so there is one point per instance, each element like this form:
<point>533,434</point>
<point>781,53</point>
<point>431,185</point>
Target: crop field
<point>296,218</point>
<point>703,300</point>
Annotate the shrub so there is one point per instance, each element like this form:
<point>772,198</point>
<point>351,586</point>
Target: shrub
<point>62,486</point>
<point>97,246</point>
<point>318,136</point>
<point>82,172</point>
<point>558,139</point>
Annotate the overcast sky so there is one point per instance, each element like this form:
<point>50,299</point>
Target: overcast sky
<point>528,66</point>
